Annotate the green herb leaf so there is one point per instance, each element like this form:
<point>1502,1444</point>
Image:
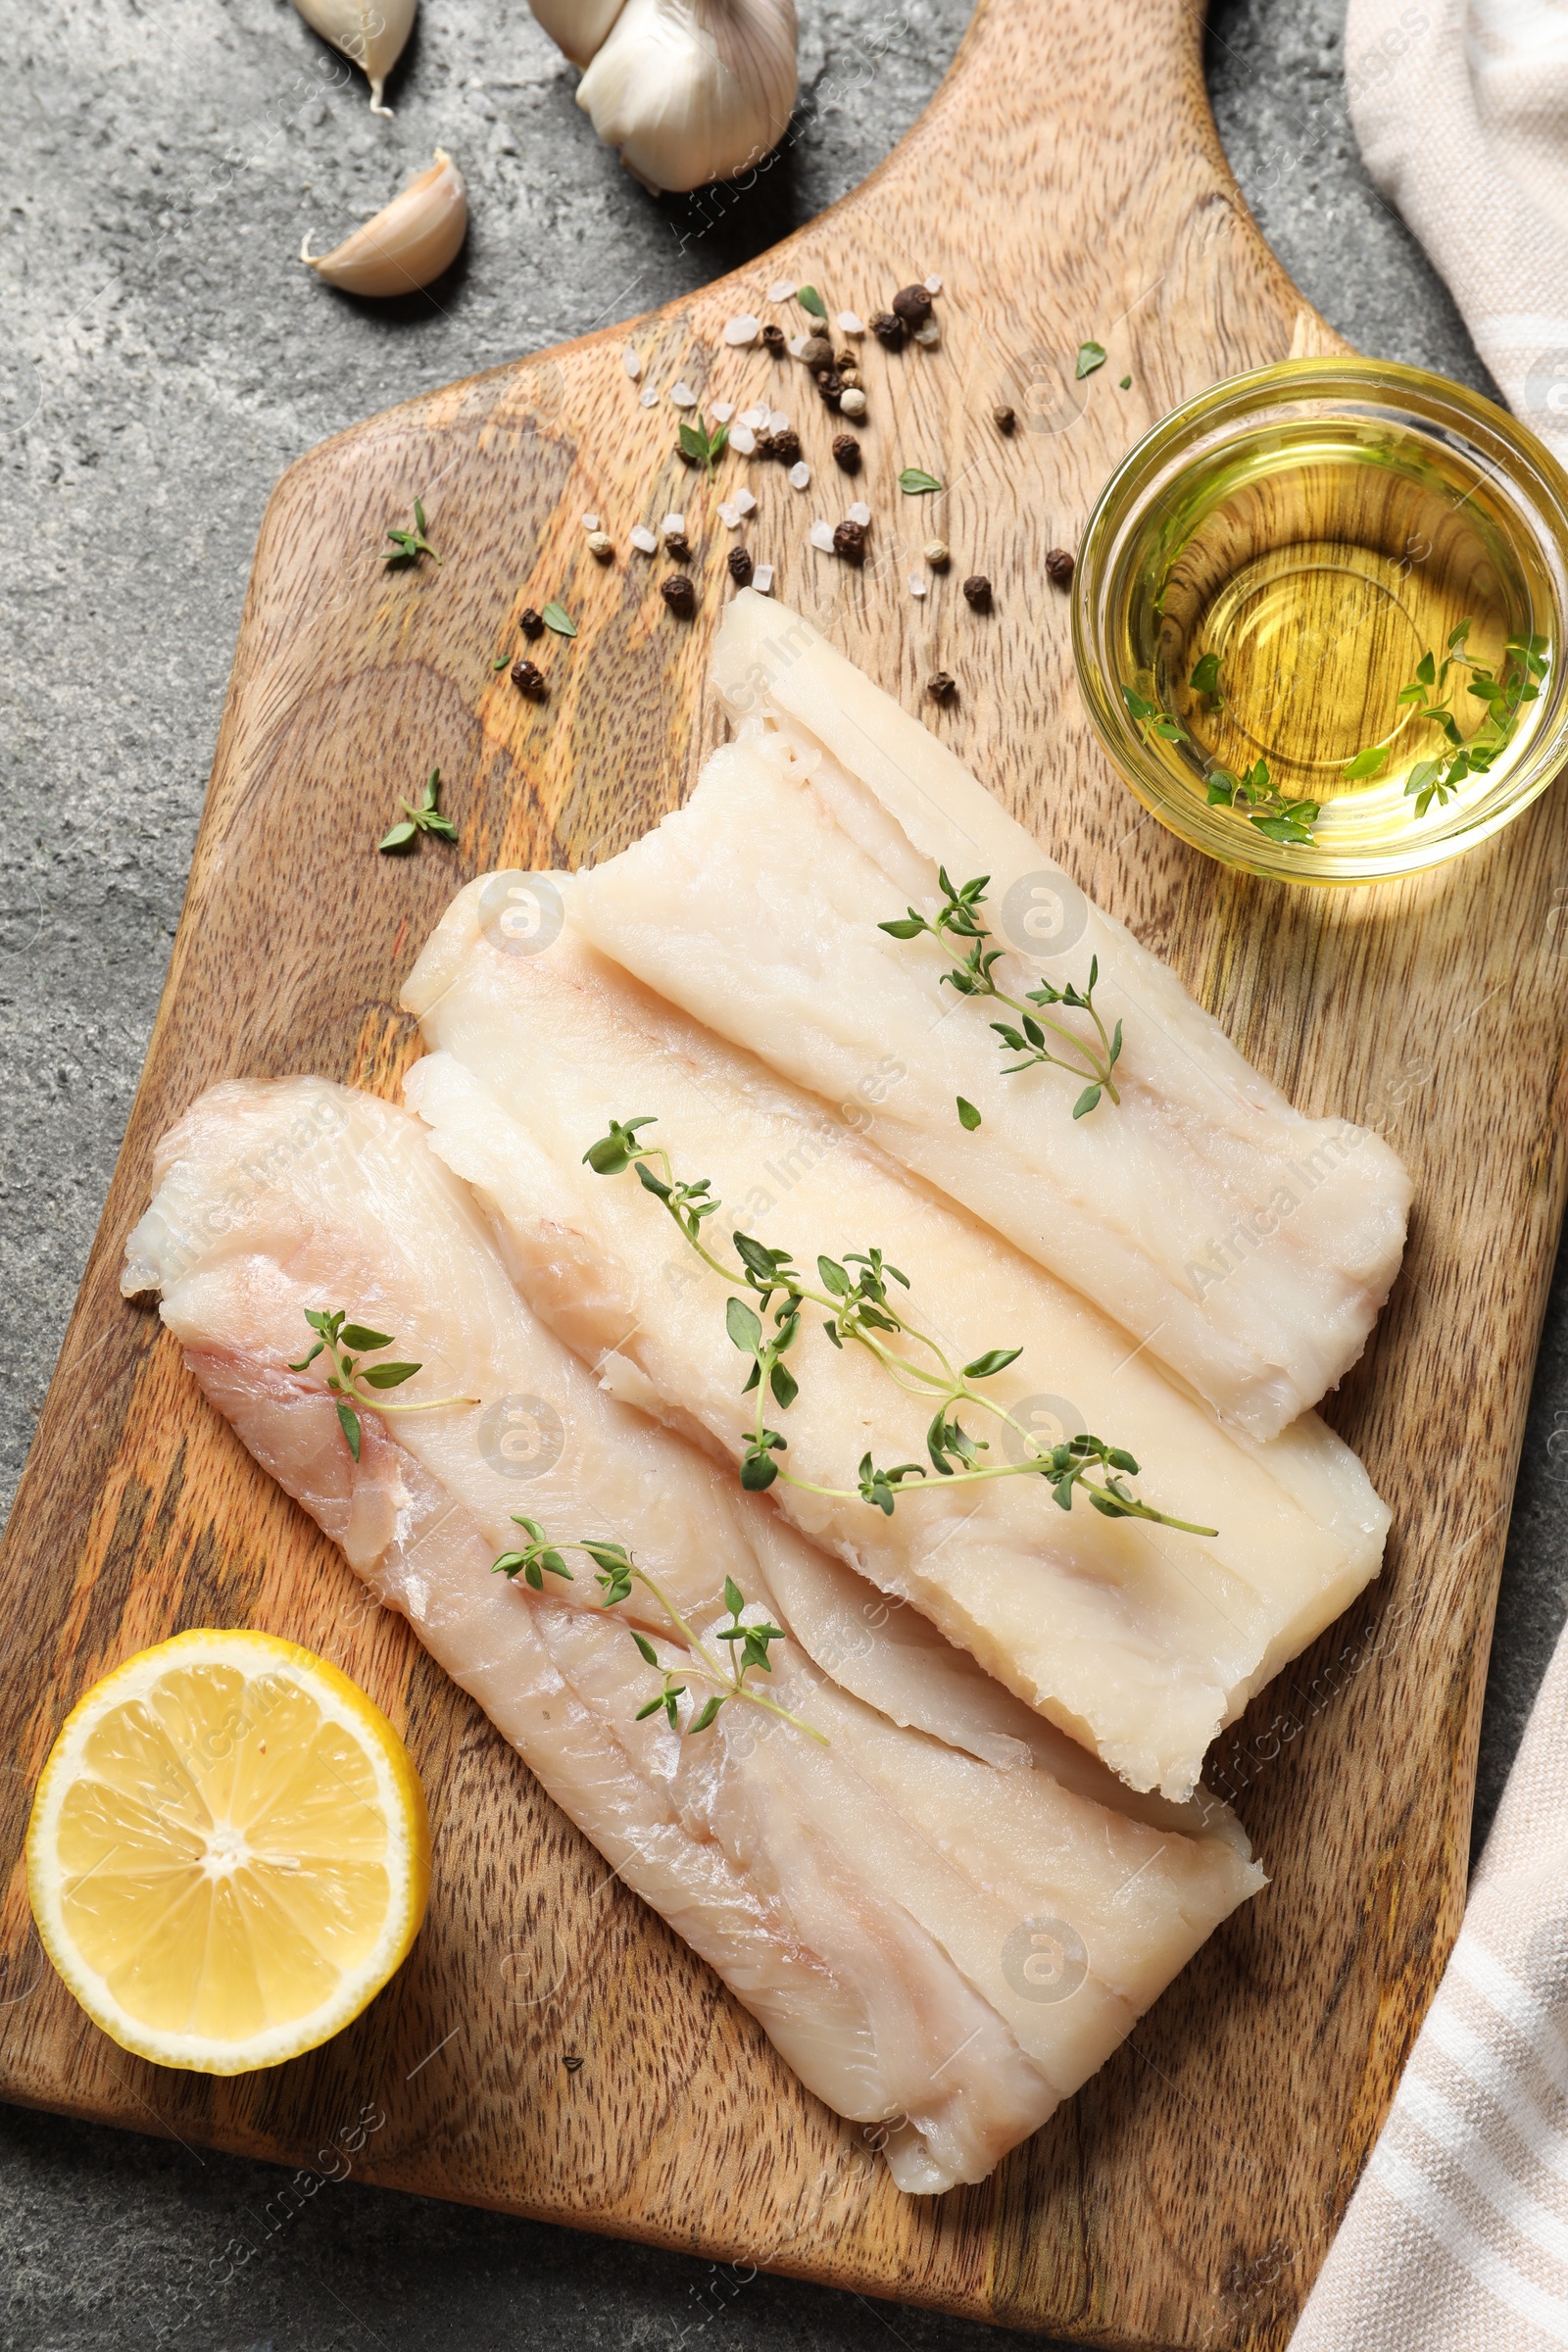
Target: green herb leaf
<point>1205,675</point>
<point>388,1376</point>
<point>399,837</point>
<point>355,1335</point>
<point>916,482</point>
<point>968,1116</point>
<point>711,1707</point>
<point>1090,357</point>
<point>350,1422</point>
<point>994,1360</point>
<point>1124,383</point>
<point>556,616</point>
<point>742,1326</point>
<point>811,300</point>
<point>1369,762</point>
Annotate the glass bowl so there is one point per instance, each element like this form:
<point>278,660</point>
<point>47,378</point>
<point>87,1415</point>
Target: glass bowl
<point>1319,620</point>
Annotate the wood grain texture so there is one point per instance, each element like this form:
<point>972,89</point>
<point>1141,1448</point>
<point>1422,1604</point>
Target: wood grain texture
<point>1066,182</point>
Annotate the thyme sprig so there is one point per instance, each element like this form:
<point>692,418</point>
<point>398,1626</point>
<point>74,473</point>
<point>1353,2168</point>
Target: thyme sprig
<point>1505,693</point>
<point>409,546</point>
<point>1275,817</point>
<point>354,1382</point>
<point>745,1647</point>
<point>972,976</point>
<point>426,818</point>
<point>861,1311</point>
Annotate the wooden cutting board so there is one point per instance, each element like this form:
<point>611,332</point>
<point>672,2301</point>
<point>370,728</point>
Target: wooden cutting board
<point>1066,183</point>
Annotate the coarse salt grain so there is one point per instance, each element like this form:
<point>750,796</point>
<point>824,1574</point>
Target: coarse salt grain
<point>916,584</point>
<point>722,411</point>
<point>781,290</point>
<point>851,322</point>
<point>859,511</point>
<point>762,578</point>
<point>743,329</point>
<point>589,522</point>
<point>754,418</point>
<point>822,537</point>
<point>777,422</point>
<point>800,475</point>
<point>643,540</point>
<point>650,398</point>
<point>928,334</point>
<point>743,440</point>
<point>797,344</point>
<point>933,284</point>
<point>632,362</point>
<point>673,524</point>
<point>683,396</point>
<point>745,502</point>
<point>730,514</point>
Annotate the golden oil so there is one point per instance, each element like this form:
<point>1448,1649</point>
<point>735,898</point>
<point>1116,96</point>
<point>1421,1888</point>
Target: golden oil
<point>1275,601</point>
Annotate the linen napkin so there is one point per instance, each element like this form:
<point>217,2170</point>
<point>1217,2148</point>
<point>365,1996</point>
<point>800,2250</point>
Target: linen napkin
<point>1456,2238</point>
<point>1462,111</point>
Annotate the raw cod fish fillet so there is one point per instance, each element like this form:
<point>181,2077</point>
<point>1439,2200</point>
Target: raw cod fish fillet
<point>1140,1640</point>
<point>878,1905</point>
<point>1247,1247</point>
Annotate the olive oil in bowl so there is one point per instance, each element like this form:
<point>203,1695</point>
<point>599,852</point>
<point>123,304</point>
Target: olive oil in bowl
<point>1318,620</point>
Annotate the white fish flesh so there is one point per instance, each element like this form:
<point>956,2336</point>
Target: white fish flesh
<point>1244,1246</point>
<point>1136,1639</point>
<point>899,1914</point>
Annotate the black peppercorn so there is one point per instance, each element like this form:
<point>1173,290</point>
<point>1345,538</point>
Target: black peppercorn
<point>529,679</point>
<point>830,384</point>
<point>1058,567</point>
<point>940,687</point>
<point>846,451</point>
<point>817,352</point>
<point>773,341</point>
<point>677,545</point>
<point>679,595</point>
<point>1004,417</point>
<point>888,329</point>
<point>977,591</point>
<point>531,623</point>
<point>913,304</point>
<point>741,567</point>
<point>849,541</point>
<point>787,447</point>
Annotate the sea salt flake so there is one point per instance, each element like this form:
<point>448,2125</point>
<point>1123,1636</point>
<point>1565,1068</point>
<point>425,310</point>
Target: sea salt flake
<point>800,475</point>
<point>762,578</point>
<point>643,540</point>
<point>851,322</point>
<point>753,418</point>
<point>743,329</point>
<point>632,362</point>
<point>730,514</point>
<point>781,290</point>
<point>928,334</point>
<point>683,396</point>
<point>673,525</point>
<point>722,411</point>
<point>650,398</point>
<point>777,422</point>
<point>822,537</point>
<point>743,440</point>
<point>933,284</point>
<point>589,522</point>
<point>744,501</point>
<point>859,511</point>
<point>916,584</point>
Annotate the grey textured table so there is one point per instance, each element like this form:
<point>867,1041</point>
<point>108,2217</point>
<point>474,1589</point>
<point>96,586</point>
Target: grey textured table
<point>164,358</point>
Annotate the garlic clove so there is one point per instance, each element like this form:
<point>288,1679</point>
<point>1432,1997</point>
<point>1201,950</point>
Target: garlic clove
<point>579,27</point>
<point>692,90</point>
<point>372,33</point>
<point>410,241</point>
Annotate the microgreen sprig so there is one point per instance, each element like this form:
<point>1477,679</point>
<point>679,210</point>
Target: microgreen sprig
<point>861,1311</point>
<point>972,976</point>
<point>426,818</point>
<point>354,1382</point>
<point>744,1647</point>
<point>701,447</point>
<point>409,546</point>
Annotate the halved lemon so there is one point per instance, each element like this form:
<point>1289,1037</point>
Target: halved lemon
<point>228,1853</point>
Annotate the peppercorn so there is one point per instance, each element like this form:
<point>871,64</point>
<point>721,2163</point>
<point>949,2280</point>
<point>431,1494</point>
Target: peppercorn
<point>678,546</point>
<point>913,304</point>
<point>529,679</point>
<point>846,451</point>
<point>849,541</point>
<point>1058,567</point>
<point>936,555</point>
<point>786,446</point>
<point>773,341</point>
<point>851,402</point>
<point>888,329</point>
<point>843,360</point>
<point>764,445</point>
<point>940,687</point>
<point>679,595</point>
<point>849,378</point>
<point>830,384</point>
<point>741,567</point>
<point>977,591</point>
<point>531,623</point>
<point>1004,417</point>
<point>817,352</point>
<point>600,544</point>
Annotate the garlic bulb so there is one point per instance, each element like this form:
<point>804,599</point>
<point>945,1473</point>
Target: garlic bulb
<point>410,241</point>
<point>576,26</point>
<point>692,90</point>
<point>374,33</point>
